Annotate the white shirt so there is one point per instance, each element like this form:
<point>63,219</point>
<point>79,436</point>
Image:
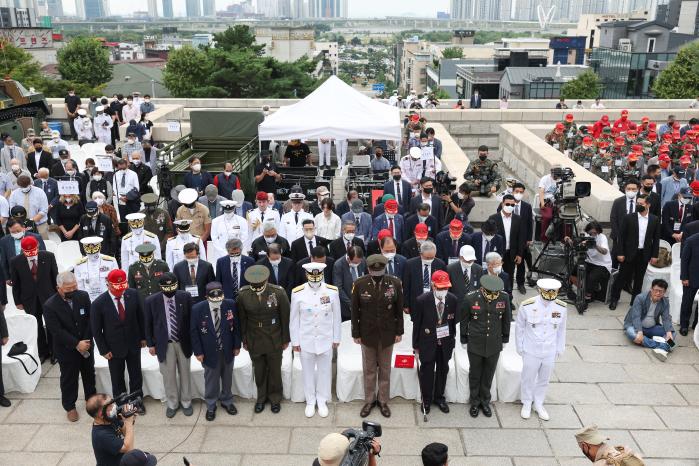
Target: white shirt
<point>224,228</point>
<point>255,217</point>
<point>642,227</point>
<point>314,320</point>
<point>507,224</point>
<point>328,228</point>
<point>603,260</point>
<point>114,301</point>
<point>597,106</point>
<point>289,228</point>
<point>124,181</point>
<point>540,328</point>
<point>549,184</point>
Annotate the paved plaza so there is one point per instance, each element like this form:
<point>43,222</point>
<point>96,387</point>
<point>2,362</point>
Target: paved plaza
<point>638,401</point>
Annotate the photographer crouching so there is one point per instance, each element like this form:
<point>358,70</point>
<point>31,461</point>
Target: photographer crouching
<point>353,447</point>
<point>112,429</point>
<point>598,264</point>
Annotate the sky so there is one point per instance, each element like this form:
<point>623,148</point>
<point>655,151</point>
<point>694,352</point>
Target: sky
<point>357,8</point>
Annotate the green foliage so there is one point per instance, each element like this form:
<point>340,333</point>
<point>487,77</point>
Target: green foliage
<point>238,38</point>
<point>84,60</point>
<point>441,94</point>
<point>484,37</point>
<point>680,80</point>
<point>20,65</point>
<point>585,86</point>
<point>186,69</point>
<point>430,36</point>
<point>356,41</point>
<point>320,28</point>
<point>453,52</point>
<point>60,88</point>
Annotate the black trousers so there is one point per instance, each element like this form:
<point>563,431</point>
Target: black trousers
<point>630,271</point>
<point>71,123</point>
<point>433,374</point>
<point>508,266</point>
<point>2,385</point>
<point>43,337</point>
<point>480,377</point>
<point>688,294</point>
<point>73,367</point>
<point>521,269</point>
<point>597,281</point>
<point>132,362</point>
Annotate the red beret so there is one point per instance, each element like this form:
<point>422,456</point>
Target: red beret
<point>441,279</point>
<point>116,276</point>
<point>391,205</point>
<point>694,185</point>
<point>29,243</point>
<point>261,196</point>
<point>421,230</point>
<point>385,233</point>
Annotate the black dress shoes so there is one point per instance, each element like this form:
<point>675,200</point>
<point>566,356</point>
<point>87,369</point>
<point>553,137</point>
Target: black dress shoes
<point>276,407</point>
<point>141,410</point>
<point>443,406</point>
<point>4,402</point>
<point>612,305</point>
<point>486,410</point>
<point>521,289</point>
<point>231,409</point>
<point>684,331</point>
<point>426,408</point>
<point>473,411</point>
<point>210,414</point>
<point>366,409</point>
<point>259,407</point>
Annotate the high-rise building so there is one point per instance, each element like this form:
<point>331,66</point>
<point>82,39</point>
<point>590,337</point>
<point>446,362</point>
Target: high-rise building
<point>300,9</point>
<point>209,8</point>
<point>94,8</point>
<point>327,8</point>
<point>463,9</point>
<point>493,10</point>
<point>80,9</point>
<point>167,9</point>
<point>55,8</point>
<point>193,8</point>
<point>525,10</point>
<point>284,8</point>
<point>153,8</point>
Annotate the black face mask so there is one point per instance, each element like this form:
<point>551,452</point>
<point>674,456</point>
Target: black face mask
<point>191,206</point>
<point>150,208</point>
<point>482,157</point>
<point>69,294</point>
<point>640,208</point>
<point>427,190</point>
<point>396,177</point>
<point>648,188</point>
<point>169,294</point>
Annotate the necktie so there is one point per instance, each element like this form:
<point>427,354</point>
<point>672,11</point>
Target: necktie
<point>121,310</point>
<point>440,310</point>
<point>262,217</point>
<point>467,279</point>
<point>516,209</point>
<point>426,277</point>
<point>35,269</point>
<point>681,212</point>
<point>123,180</point>
<point>192,275</point>
<point>276,273</point>
<point>630,206</point>
<point>390,227</point>
<point>217,327</point>
<point>296,215</point>
<point>455,248</point>
<point>349,245</point>
<point>398,190</point>
<point>26,202</point>
<point>390,267</point>
<point>354,273</point>
<point>356,219</point>
<point>172,318</point>
<point>234,275</point>
<point>310,247</point>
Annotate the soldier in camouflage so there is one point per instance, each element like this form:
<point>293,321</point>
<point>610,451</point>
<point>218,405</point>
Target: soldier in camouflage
<point>483,175</point>
<point>602,163</point>
<point>557,138</point>
<point>584,153</point>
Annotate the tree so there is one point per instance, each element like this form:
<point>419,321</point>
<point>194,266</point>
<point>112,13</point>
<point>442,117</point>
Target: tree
<point>84,60</point>
<point>20,66</point>
<point>585,86</point>
<point>185,70</point>
<point>356,41</point>
<point>453,52</point>
<point>238,38</point>
<point>341,40</point>
<point>680,80</point>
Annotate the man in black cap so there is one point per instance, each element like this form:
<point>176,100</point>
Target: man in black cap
<point>264,319</point>
<point>215,331</point>
<point>157,221</point>
<point>485,326</point>
<point>167,321</point>
<point>435,454</point>
<point>146,272</point>
<point>138,458</point>
<point>93,223</point>
<point>19,213</point>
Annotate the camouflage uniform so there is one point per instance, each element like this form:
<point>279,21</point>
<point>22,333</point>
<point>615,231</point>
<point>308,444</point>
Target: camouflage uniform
<point>485,168</point>
<point>583,156</point>
<point>556,140</point>
<point>599,161</point>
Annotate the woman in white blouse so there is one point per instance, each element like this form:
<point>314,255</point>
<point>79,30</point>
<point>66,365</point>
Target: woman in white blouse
<point>328,224</point>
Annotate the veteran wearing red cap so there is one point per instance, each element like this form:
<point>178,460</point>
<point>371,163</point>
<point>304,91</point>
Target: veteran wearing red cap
<point>434,333</point>
<point>411,247</point>
<point>390,220</point>
<point>33,274</point>
<point>116,317</point>
<point>449,242</point>
<point>260,215</point>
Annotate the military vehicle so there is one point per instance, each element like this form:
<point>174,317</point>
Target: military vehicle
<point>20,109</point>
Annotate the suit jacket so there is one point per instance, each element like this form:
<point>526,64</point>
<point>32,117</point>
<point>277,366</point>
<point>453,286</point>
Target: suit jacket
<point>259,247</point>
<point>412,221</point>
<point>410,248</point>
<point>223,274</point>
<point>68,324</point>
<point>381,223</point>
<point>412,279</point>
<point>689,268</point>
<point>380,209</point>
<point>341,209</point>
<point>445,245</point>
<point>364,226</point>
<point>205,274</point>
<point>338,247</point>
<point>497,244</point>
<point>50,189</point>
<point>155,320</point>
<point>688,230</point>
<point>436,204</point>
<point>300,275</point>
<point>7,251</point>
<point>342,279</point>
<point>45,160</point>
<point>406,192</point>
<point>670,216</point>
<point>526,220</point>
<point>516,234</point>
<point>112,335</point>
<point>203,333</point>
<point>299,247</point>
<point>458,282</point>
<point>628,238</point>
<point>668,191</point>
<point>372,247</point>
<point>654,202</point>
<point>399,262</point>
<point>425,325</point>
<point>616,216</point>
<point>27,291</point>
<point>476,101</point>
<point>286,273</point>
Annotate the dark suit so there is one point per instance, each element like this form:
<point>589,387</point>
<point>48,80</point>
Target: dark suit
<point>45,161</point>
<point>381,223</point>
<point>122,339</point>
<point>300,275</point>
<point>32,294</point>
<point>224,277</point>
<point>341,209</point>
<point>338,247</point>
<point>435,204</point>
<point>155,321</point>
<point>635,259</point>
<point>410,248</point>
<point>397,267</point>
<point>671,219</point>
<point>688,230</point>
<point>50,188</point>
<point>103,228</point>
<point>516,242</point>
<point>205,274</point>
<point>458,281</point>
<point>527,225</point>
<point>497,244</point>
<point>412,221</point>
<point>380,209</point>
<point>654,201</point>
<point>406,192</point>
<point>413,285</point>
<point>689,270</point>
<point>8,251</point>
<point>445,245</point>
<point>299,247</point>
<point>286,273</point>
<point>343,280</point>
<point>434,353</point>
<point>475,101</point>
<point>619,210</point>
<point>69,324</point>
<point>3,334</point>
<point>259,247</point>
<point>373,247</point>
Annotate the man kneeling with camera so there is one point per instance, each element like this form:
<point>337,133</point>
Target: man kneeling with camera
<point>351,447</point>
<point>112,429</point>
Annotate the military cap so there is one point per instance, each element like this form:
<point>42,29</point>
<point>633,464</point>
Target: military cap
<point>91,240</point>
<point>149,198</point>
<point>91,207</point>
<point>145,249</point>
<point>187,196</point>
<point>376,262</point>
<point>314,268</point>
<point>82,112</point>
<point>183,222</point>
<point>228,204</point>
<point>491,283</point>
<point>386,197</point>
<point>135,216</point>
<point>297,196</point>
<point>256,274</point>
<point>211,286</point>
<point>548,284</point>
<point>167,279</point>
<point>18,211</point>
<point>63,152</point>
<point>590,435</point>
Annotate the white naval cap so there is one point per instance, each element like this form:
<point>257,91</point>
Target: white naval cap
<point>135,216</point>
<point>99,108</point>
<point>228,203</point>
<point>187,196</point>
<point>314,268</point>
<point>415,153</point>
<point>91,240</point>
<point>82,112</point>
<point>548,284</point>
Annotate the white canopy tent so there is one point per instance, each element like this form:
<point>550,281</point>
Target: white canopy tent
<point>334,110</point>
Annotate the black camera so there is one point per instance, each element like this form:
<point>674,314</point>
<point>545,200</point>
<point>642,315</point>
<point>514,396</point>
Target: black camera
<point>444,184</point>
<point>582,243</point>
<point>128,404</point>
<point>360,443</point>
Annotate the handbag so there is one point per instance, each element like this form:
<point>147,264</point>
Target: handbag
<point>20,349</point>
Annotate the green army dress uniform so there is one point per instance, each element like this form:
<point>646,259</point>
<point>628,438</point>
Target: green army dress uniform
<point>145,278</point>
<point>264,324</point>
<point>479,168</point>
<point>485,326</point>
<point>157,221</point>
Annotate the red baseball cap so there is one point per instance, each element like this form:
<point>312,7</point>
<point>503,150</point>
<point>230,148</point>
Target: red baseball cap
<point>645,119</point>
<point>421,231</point>
<point>632,129</point>
<point>391,206</point>
<point>695,187</point>
<point>664,158</point>
<point>619,141</point>
<point>440,279</point>
<point>624,112</point>
<point>605,118</point>
<point>652,125</point>
<point>116,277</point>
<point>689,147</point>
<point>456,224</point>
<point>603,144</point>
<point>414,117</point>
<point>664,148</point>
<point>559,126</point>
<point>652,136</point>
<point>691,134</point>
<point>686,158</point>
<point>29,243</point>
<point>667,135</point>
<point>261,196</point>
<point>570,117</point>
<point>637,148</point>
<point>587,140</point>
<point>633,156</point>
<point>385,233</point>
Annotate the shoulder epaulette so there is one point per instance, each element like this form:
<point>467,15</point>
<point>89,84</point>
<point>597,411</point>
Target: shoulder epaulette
<point>171,238</point>
<point>528,301</point>
<point>298,288</point>
<point>108,258</point>
<point>562,303</point>
<point>148,233</point>
<point>128,235</point>
<point>332,287</point>
<point>244,288</point>
<point>82,260</point>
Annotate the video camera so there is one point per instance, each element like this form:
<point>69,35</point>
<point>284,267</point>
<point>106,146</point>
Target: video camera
<point>360,443</point>
<point>444,184</point>
<point>568,192</point>
<point>127,404</point>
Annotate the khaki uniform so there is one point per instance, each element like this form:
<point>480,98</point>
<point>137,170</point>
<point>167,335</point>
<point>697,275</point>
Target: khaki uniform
<point>159,223</point>
<point>146,279</point>
<point>264,324</point>
<point>377,318</point>
<point>199,218</point>
<point>128,247</point>
<point>486,172</point>
<point>608,455</point>
<point>485,326</point>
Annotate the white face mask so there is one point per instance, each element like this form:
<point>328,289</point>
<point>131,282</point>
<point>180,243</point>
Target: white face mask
<point>389,255</point>
<point>441,294</point>
<point>130,141</point>
<point>508,209</point>
<point>349,236</point>
<point>518,196</point>
<point>275,262</point>
<point>18,235</point>
<point>427,261</point>
<point>192,261</point>
<point>70,172</point>
<point>229,214</point>
<point>97,178</point>
<point>685,201</point>
<point>235,259</point>
<point>631,194</point>
<point>136,162</point>
<point>196,167</point>
<point>15,168</point>
<point>497,270</point>
<point>488,237</point>
<point>390,215</point>
<point>308,234</point>
<point>27,189</point>
<point>315,285</point>
<point>137,231</point>
<point>461,196</point>
<point>228,173</point>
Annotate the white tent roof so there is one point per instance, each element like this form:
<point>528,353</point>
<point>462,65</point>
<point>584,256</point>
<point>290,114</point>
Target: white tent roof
<point>334,110</point>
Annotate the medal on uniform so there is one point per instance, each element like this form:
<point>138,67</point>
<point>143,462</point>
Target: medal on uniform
<point>325,300</point>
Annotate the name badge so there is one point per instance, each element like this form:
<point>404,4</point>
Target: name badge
<point>82,312</point>
<point>555,145</point>
<point>443,331</point>
<point>453,259</point>
<point>586,165</point>
<point>605,169</point>
<point>677,226</point>
<point>617,163</point>
<point>193,291</point>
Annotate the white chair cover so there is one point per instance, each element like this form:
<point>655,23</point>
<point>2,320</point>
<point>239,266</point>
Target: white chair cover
<point>53,236</point>
<point>675,291</point>
<point>404,382</point>
<point>68,255</point>
<point>20,327</point>
<point>654,272</point>
<point>297,390</point>
<point>51,246</point>
<point>462,365</point>
<point>509,371</point>
<point>213,253</point>
<point>349,383</point>
<point>286,372</point>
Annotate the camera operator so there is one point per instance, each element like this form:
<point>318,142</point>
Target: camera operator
<point>333,448</point>
<point>598,264</point>
<point>547,191</point>
<point>459,203</point>
<point>112,435</point>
